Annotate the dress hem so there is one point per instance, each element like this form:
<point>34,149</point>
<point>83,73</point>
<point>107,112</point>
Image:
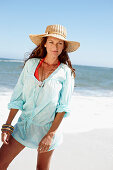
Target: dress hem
<point>51,148</point>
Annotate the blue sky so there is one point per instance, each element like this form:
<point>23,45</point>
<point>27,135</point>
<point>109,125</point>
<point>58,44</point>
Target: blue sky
<point>88,22</point>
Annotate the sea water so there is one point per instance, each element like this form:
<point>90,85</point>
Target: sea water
<point>89,80</point>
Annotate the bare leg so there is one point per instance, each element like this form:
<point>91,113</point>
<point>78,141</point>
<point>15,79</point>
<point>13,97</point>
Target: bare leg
<point>9,152</point>
<point>43,160</point>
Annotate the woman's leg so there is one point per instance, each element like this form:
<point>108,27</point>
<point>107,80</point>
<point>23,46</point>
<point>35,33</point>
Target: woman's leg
<point>9,152</point>
<point>43,160</point>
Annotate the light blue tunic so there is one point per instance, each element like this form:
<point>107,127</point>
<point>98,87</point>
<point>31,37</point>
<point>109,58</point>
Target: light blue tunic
<point>39,105</point>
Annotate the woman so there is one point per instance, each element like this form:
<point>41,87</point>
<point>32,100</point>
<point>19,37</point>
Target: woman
<point>42,93</point>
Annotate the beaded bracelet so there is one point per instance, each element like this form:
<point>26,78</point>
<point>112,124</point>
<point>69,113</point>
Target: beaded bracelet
<point>7,127</point>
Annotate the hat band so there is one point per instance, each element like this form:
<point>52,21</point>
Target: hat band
<point>56,33</point>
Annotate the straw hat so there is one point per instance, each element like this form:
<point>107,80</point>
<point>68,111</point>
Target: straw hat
<point>57,31</point>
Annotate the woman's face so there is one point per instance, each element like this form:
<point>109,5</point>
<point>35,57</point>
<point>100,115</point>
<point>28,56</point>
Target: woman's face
<point>54,46</point>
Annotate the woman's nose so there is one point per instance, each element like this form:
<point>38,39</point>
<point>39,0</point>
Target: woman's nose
<point>55,46</point>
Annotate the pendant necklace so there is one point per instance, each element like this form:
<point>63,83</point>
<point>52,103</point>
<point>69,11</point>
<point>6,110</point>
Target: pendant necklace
<point>41,82</point>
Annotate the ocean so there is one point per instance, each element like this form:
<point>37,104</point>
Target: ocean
<point>91,103</point>
<point>89,80</point>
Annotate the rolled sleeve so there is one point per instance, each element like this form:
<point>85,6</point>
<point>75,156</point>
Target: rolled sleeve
<point>16,101</point>
<point>65,95</point>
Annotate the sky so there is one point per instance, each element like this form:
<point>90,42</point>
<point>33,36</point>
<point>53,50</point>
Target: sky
<point>89,22</point>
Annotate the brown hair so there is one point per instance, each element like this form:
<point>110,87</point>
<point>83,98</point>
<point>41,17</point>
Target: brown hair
<point>40,52</point>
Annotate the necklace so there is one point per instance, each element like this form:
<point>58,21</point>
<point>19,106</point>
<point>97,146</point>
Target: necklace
<point>51,64</point>
<point>44,72</point>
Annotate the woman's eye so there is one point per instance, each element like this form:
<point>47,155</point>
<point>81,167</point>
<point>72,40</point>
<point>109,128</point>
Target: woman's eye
<point>58,43</point>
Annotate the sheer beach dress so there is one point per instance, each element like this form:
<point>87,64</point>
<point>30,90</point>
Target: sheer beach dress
<point>39,103</point>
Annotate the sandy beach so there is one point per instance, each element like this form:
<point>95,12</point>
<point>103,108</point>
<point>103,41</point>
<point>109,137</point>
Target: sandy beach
<point>88,137</point>
<point>84,151</point>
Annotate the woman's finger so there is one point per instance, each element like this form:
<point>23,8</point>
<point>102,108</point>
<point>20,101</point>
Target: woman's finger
<point>44,148</point>
<point>3,138</point>
<point>7,138</point>
<point>40,146</point>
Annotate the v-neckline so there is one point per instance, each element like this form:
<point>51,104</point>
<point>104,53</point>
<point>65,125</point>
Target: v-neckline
<point>50,76</point>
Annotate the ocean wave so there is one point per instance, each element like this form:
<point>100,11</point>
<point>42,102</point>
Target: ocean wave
<point>11,61</point>
<point>95,93</point>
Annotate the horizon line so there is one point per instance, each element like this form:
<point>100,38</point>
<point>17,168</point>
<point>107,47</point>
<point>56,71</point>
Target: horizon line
<point>22,60</point>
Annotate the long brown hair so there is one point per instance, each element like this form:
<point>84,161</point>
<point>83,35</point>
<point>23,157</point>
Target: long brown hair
<point>40,52</point>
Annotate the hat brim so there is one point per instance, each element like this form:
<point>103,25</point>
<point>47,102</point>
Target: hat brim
<point>72,45</point>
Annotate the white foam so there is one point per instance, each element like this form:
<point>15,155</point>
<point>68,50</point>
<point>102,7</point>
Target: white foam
<point>11,61</point>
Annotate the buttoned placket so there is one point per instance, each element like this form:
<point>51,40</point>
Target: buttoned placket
<point>28,119</point>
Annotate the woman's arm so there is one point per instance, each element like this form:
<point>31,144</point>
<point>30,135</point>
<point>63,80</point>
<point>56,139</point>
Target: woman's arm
<point>47,139</point>
<point>11,116</point>
<point>56,123</point>
<point>6,134</point>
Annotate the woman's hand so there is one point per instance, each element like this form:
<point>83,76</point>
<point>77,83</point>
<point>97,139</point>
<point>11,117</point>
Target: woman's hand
<point>5,137</point>
<point>45,143</point>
